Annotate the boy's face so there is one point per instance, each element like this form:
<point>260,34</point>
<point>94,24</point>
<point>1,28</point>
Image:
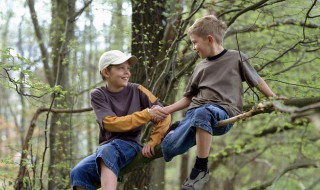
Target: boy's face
<point>117,76</point>
<point>201,45</point>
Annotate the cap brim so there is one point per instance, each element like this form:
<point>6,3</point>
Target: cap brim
<point>131,60</point>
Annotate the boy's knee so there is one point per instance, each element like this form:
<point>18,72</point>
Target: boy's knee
<point>77,170</point>
<point>202,113</point>
<point>73,172</point>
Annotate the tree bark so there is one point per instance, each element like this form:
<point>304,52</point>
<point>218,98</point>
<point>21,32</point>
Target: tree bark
<point>62,32</point>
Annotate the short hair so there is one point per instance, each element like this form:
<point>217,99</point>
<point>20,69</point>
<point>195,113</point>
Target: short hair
<point>209,25</point>
<point>107,68</point>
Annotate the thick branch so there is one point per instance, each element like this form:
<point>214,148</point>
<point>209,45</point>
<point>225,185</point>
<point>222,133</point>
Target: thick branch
<point>264,107</point>
<point>43,49</point>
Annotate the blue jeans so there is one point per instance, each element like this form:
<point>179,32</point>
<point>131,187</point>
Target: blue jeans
<point>115,154</point>
<point>183,138</point>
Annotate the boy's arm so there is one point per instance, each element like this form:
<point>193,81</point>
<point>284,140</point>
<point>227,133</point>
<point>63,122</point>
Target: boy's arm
<point>179,105</point>
<point>265,89</point>
<point>132,121</point>
<point>159,130</point>
<point>128,122</point>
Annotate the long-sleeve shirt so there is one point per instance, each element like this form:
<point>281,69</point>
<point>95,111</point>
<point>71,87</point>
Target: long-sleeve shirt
<point>123,114</point>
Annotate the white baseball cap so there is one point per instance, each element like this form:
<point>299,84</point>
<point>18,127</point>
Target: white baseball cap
<point>115,57</point>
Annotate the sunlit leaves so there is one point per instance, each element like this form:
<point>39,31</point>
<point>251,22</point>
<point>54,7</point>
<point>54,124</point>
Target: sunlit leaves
<point>19,75</point>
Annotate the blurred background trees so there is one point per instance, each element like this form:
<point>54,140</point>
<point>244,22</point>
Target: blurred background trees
<point>49,56</point>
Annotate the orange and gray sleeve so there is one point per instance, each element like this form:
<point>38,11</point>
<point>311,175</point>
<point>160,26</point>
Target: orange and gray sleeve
<point>160,128</point>
<point>126,123</point>
<point>158,131</point>
<point>132,121</point>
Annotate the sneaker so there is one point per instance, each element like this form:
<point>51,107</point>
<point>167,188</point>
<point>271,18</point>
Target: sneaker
<point>197,183</point>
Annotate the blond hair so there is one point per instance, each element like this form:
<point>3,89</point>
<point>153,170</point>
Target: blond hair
<point>209,25</point>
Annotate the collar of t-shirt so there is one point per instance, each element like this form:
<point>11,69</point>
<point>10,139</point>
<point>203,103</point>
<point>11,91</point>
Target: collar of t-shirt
<point>217,56</point>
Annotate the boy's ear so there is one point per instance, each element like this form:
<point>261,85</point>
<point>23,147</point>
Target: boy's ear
<point>211,38</point>
<point>104,72</point>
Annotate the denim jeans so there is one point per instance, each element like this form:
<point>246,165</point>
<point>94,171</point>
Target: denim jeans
<point>115,154</point>
<point>183,138</point>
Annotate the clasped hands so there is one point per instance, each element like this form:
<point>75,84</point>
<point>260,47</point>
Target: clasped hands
<point>158,114</point>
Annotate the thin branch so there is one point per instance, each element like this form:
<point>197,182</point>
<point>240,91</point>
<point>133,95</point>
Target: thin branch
<point>294,166</point>
<point>295,64</point>
<point>77,14</point>
<point>238,9</point>
<point>26,144</point>
<point>45,141</point>
<point>171,52</point>
<point>265,26</point>
<point>281,55</point>
<point>19,90</point>
<point>188,61</point>
<point>307,16</point>
<point>293,84</point>
<point>250,8</point>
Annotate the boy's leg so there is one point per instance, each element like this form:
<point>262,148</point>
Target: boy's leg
<point>203,139</point>
<point>205,120</point>
<point>108,177</point>
<point>84,175</point>
<point>179,140</point>
<point>113,156</point>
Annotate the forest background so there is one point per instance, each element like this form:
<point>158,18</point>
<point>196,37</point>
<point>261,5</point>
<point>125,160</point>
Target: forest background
<point>49,64</point>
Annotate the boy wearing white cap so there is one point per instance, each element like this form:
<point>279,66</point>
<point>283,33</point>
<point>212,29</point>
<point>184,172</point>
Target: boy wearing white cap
<point>122,109</point>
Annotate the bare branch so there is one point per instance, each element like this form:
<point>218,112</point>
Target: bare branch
<point>26,145</point>
<point>305,21</point>
<point>19,90</point>
<point>250,8</point>
<point>293,84</point>
<point>281,55</point>
<point>294,166</point>
<point>264,26</point>
<point>171,52</point>
<point>77,14</point>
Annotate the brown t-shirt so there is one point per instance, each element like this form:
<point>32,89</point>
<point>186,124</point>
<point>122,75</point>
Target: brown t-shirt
<point>219,80</point>
<point>121,115</point>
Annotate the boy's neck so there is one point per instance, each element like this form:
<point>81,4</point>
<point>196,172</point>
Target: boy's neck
<point>216,50</point>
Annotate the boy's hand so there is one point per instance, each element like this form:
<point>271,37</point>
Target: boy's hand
<point>157,113</point>
<point>148,151</point>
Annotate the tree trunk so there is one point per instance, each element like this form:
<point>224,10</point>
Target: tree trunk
<point>145,45</point>
<point>138,179</point>
<point>184,168</point>
<point>62,32</point>
<point>157,180</point>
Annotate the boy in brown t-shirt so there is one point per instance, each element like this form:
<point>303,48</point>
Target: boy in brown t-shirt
<point>214,92</point>
<point>122,109</point>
